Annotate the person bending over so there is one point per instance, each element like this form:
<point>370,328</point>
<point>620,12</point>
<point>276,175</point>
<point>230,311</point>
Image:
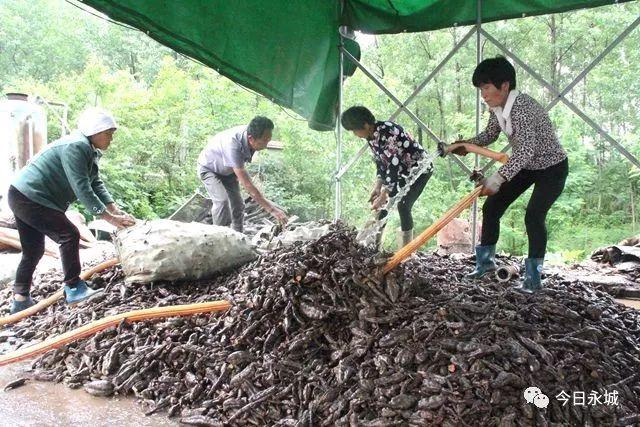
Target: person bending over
<point>65,171</point>
<point>396,156</point>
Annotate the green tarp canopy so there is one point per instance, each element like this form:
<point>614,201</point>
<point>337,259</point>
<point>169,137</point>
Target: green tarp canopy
<point>287,50</point>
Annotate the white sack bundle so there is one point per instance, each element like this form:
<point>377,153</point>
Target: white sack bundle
<point>171,250</point>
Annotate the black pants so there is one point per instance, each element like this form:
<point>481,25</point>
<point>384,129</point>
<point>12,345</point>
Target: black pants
<point>548,185</point>
<point>406,203</point>
<point>35,221</point>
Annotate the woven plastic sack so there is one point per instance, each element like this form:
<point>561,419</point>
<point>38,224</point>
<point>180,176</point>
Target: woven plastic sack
<point>266,239</point>
<point>171,250</point>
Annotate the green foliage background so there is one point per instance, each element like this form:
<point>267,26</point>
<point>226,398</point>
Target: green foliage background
<point>167,105</point>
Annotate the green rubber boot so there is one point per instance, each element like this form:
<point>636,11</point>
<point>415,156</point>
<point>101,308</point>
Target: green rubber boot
<point>485,261</point>
<point>532,273</point>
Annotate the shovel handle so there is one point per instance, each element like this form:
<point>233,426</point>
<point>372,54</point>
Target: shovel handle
<point>406,251</point>
<point>482,151</point>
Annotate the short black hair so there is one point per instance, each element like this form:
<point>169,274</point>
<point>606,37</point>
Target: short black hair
<point>495,71</point>
<point>356,117</point>
<point>258,126</point>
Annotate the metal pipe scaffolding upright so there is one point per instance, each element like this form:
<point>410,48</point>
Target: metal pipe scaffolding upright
<point>337,178</point>
<point>476,161</point>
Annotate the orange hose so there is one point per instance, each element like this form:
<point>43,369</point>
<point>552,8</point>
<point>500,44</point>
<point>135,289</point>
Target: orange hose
<point>406,251</point>
<point>98,268</point>
<point>107,322</point>
<point>13,318</point>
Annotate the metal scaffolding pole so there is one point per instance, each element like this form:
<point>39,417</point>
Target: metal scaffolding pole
<point>595,62</point>
<point>474,207</point>
<point>433,72</point>
<point>338,187</point>
<point>398,102</point>
<point>480,34</point>
<point>382,87</point>
<point>568,103</point>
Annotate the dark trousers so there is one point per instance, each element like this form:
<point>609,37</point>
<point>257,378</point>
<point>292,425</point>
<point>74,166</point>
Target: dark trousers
<point>35,221</point>
<point>406,203</point>
<point>548,185</point>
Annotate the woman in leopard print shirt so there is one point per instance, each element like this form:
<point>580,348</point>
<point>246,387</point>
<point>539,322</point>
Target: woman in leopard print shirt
<point>537,159</point>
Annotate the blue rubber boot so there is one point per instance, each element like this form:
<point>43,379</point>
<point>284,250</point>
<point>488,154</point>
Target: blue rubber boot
<point>485,261</point>
<point>78,292</point>
<point>532,272</point>
<point>18,306</point>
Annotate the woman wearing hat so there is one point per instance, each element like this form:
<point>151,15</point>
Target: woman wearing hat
<point>66,171</point>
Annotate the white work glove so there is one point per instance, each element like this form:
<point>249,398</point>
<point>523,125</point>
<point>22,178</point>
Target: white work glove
<point>491,185</point>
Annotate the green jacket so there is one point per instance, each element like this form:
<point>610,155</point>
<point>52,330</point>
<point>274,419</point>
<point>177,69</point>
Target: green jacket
<point>66,171</point>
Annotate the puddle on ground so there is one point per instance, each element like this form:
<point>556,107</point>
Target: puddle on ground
<point>48,404</point>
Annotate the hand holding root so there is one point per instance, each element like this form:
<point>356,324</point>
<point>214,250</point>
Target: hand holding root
<point>279,215</point>
<point>119,221</point>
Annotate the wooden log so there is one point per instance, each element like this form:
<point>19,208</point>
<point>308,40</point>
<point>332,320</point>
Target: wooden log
<point>6,246</point>
<point>51,248</point>
<point>14,242</point>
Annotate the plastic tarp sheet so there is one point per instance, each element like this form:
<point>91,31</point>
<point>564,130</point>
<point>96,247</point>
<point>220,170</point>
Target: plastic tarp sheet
<point>288,51</point>
<point>396,16</point>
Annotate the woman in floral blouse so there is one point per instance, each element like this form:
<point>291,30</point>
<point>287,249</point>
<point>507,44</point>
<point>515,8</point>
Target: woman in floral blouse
<point>537,160</point>
<point>396,156</point>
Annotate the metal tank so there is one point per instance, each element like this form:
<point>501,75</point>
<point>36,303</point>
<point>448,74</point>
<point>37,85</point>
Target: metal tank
<point>23,133</point>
